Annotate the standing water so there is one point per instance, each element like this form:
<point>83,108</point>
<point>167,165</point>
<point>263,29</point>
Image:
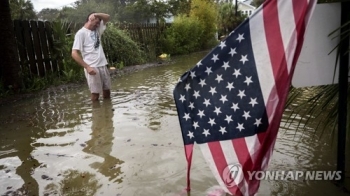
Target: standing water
<point>59,143</point>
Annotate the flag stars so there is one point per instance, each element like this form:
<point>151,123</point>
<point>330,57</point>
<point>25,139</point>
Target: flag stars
<point>225,65</point>
<point>228,119</point>
<point>186,116</point>
<point>240,126</point>
<point>246,115</point>
<point>233,51</point>
<point>244,58</point>
<point>206,102</point>
<point>215,58</point>
<point>258,122</point>
<point>187,87</point>
<point>218,78</point>
<point>193,74</point>
<point>208,70</point>
<point>206,132</point>
<point>222,45</point>
<point>217,110</point>
<point>237,72</point>
<point>196,94</point>
<point>228,67</point>
<point>230,86</point>
<point>191,105</point>
<point>212,90</point>
<point>211,121</point>
<point>240,37</point>
<point>223,98</point>
<point>235,106</point>
<point>253,102</point>
<point>182,98</point>
<point>222,130</point>
<point>195,125</point>
<point>241,94</point>
<point>201,113</point>
<point>248,80</point>
<point>190,134</point>
<point>202,82</point>
<point>199,64</point>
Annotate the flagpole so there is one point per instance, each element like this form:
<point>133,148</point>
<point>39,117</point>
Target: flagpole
<point>343,89</point>
<point>236,8</point>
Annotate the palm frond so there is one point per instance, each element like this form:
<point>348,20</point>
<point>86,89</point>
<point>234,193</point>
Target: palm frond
<point>317,107</point>
<point>313,108</point>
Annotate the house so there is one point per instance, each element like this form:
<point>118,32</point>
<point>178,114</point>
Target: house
<point>168,19</point>
<point>245,7</point>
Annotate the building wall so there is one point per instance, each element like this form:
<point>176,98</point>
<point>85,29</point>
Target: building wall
<point>246,8</point>
<point>243,6</point>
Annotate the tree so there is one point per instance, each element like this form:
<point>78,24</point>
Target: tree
<point>65,13</point>
<point>228,20</point>
<point>48,14</point>
<point>179,7</point>
<point>22,10</point>
<point>257,3</point>
<point>139,11</point>
<point>143,10</point>
<point>79,13</point>
<point>160,10</point>
<point>9,66</point>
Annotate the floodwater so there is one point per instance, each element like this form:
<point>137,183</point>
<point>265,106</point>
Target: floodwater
<point>58,143</point>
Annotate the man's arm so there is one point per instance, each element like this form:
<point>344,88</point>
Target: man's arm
<point>77,57</point>
<point>102,16</point>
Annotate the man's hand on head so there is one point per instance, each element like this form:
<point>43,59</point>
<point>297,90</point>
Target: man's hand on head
<point>92,17</point>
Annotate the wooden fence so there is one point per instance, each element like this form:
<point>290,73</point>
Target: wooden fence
<point>36,43</point>
<point>35,46</point>
<point>146,34</point>
<point>141,32</point>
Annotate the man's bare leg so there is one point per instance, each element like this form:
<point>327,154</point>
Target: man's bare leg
<point>94,96</point>
<point>106,94</point>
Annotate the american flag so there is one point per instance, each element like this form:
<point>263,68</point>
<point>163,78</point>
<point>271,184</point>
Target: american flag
<point>231,102</point>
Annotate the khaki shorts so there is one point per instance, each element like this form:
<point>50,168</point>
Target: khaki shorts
<point>99,82</point>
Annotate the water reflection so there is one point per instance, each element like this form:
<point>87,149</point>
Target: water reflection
<point>101,141</point>
<point>74,183</point>
<point>60,144</point>
<point>16,162</point>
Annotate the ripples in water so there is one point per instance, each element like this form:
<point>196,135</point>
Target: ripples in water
<point>61,144</point>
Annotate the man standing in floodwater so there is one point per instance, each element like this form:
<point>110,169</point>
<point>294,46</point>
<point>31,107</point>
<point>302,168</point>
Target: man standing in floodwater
<point>87,51</point>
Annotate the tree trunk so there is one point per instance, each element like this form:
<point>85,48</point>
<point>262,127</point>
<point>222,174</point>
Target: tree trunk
<point>9,66</point>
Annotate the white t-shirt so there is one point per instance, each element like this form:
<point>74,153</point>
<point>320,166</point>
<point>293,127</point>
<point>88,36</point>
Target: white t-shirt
<point>89,44</point>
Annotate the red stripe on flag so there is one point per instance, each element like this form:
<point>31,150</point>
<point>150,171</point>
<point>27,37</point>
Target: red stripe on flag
<point>188,153</point>
<point>275,46</point>
<point>299,14</point>
<point>279,66</point>
<point>244,157</point>
<point>278,94</point>
<point>242,152</point>
<point>221,163</point>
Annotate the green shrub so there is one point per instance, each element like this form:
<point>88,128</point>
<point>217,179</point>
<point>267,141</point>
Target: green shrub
<point>62,48</point>
<point>183,36</point>
<point>205,11</point>
<point>120,48</point>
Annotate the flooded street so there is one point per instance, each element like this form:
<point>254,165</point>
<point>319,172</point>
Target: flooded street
<point>59,143</point>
